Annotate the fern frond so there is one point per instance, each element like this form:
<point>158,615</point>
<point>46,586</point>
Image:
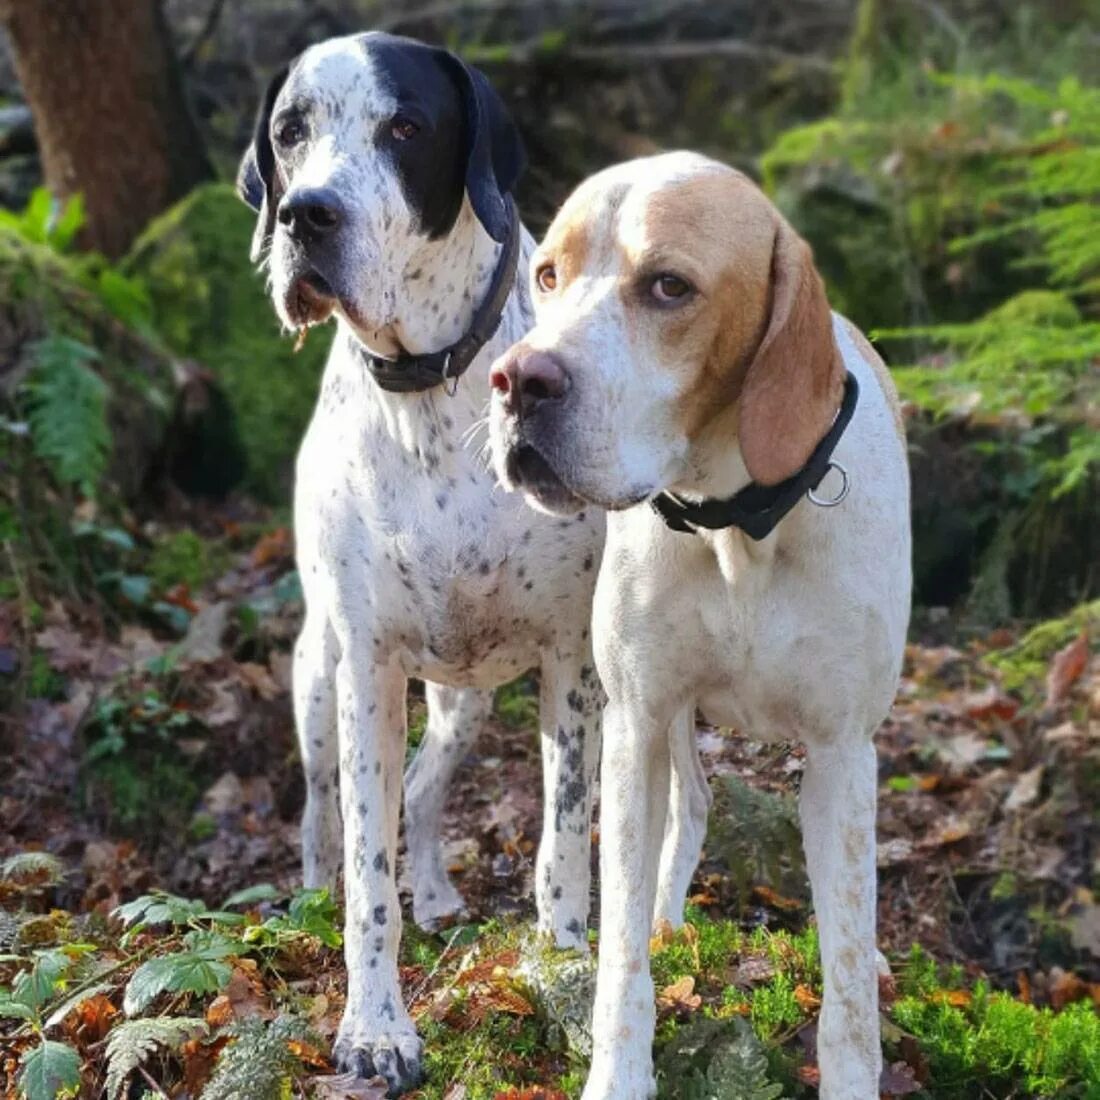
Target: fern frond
<point>39,868</point>
<point>68,412</point>
<point>259,1063</point>
<point>740,1069</point>
<point>132,1042</point>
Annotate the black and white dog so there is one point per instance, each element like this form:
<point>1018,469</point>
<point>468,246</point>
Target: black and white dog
<point>382,172</point>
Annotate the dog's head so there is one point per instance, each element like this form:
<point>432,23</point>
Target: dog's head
<point>668,292</point>
<point>366,150</point>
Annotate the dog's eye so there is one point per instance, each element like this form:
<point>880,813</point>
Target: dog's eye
<point>546,278</point>
<point>403,128</point>
<point>669,288</point>
<point>290,132</point>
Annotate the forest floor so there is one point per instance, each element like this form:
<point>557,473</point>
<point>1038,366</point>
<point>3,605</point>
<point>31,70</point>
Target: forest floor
<point>149,750</point>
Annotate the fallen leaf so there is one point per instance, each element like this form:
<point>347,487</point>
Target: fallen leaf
<point>809,1075</point>
<point>898,1079</point>
<point>1084,930</point>
<point>308,1054</point>
<point>203,641</point>
<point>807,999</point>
<point>260,680</point>
<point>277,545</point>
<point>754,970</point>
<point>346,1086</point>
<point>991,704</point>
<point>1025,790</point>
<point>1065,668</point>
<point>536,1093</point>
<point>679,997</point>
<point>776,900</point>
<point>956,998</point>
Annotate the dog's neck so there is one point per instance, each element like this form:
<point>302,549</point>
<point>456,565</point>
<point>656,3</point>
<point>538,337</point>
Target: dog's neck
<point>714,467</point>
<point>441,286</point>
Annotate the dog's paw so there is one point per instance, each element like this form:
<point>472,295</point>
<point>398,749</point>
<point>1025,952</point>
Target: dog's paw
<point>438,906</point>
<point>398,1058</point>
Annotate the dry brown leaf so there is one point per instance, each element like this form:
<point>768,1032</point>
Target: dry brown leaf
<point>898,1079</point>
<point>1065,667</point>
<point>536,1093</point>
<point>754,970</point>
<point>260,680</point>
<point>956,998</point>
<point>1025,790</point>
<point>807,999</point>
<point>679,997</point>
<point>346,1086</point>
<point>277,545</point>
<point>991,705</point>
<point>776,900</point>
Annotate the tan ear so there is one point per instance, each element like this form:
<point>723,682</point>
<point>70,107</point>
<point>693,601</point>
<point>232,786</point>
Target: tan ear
<point>794,384</point>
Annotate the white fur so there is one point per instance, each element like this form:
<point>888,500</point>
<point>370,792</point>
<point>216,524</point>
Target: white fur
<point>413,564</point>
<point>797,636</point>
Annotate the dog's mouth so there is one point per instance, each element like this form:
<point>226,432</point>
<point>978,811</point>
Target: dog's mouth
<point>310,300</point>
<point>527,469</point>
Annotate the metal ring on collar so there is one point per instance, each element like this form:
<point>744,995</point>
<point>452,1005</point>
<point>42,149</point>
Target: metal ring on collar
<point>845,485</point>
<point>450,384</point>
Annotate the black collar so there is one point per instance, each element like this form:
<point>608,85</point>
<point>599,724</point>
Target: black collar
<point>757,509</point>
<point>413,373</point>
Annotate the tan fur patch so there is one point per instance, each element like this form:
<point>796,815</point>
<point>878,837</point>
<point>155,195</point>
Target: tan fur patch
<point>715,229</point>
<point>758,337</point>
<point>882,372</point>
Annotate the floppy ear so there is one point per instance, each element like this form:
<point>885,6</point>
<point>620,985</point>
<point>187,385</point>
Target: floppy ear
<point>256,182</point>
<point>495,158</point>
<point>795,383</point>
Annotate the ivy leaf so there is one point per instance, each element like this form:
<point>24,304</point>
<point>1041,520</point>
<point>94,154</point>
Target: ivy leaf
<point>49,1070</point>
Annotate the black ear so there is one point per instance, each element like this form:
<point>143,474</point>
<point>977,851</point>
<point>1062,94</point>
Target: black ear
<point>256,182</point>
<point>495,158</point>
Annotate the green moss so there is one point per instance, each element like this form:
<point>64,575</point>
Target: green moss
<point>186,558</point>
<point>209,304</point>
<point>1025,664</point>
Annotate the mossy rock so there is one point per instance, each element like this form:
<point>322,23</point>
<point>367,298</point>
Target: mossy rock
<point>211,305</point>
<point>44,295</point>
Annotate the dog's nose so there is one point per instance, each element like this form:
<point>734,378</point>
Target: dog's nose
<point>526,378</point>
<point>312,213</point>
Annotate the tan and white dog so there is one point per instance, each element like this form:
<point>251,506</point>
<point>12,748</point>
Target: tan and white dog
<point>684,346</point>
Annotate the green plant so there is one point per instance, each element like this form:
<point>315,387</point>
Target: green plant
<point>259,1063</point>
<point>50,1068</point>
<point>46,221</point>
<point>67,412</point>
<point>133,1042</point>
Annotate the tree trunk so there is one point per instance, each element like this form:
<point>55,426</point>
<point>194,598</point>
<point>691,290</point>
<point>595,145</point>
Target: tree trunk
<point>102,80</point>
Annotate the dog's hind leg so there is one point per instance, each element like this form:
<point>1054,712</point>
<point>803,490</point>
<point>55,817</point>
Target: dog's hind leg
<point>455,718</point>
<point>569,719</point>
<point>838,832</point>
<point>686,825</point>
<point>315,719</point>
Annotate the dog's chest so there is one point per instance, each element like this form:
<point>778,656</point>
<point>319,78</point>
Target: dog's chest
<point>462,582</point>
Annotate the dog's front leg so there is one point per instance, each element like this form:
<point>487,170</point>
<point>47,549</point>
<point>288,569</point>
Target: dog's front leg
<point>315,720</point>
<point>686,828</point>
<point>455,718</point>
<point>376,1034</point>
<point>838,831</point>
<point>634,779</point>
<point>569,718</point>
